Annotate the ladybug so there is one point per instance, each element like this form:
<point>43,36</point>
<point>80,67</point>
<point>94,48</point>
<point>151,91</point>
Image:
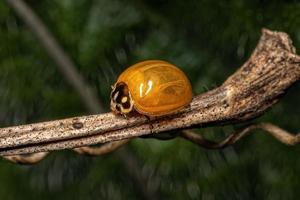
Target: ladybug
<point>152,88</point>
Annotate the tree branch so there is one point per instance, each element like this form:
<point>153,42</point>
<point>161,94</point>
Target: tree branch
<point>248,93</point>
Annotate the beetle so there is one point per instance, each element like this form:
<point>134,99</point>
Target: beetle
<point>152,88</point>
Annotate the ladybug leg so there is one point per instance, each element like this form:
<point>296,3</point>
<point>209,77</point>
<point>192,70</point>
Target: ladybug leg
<point>149,119</point>
<point>150,124</point>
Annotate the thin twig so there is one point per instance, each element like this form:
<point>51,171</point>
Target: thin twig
<point>280,134</point>
<point>103,149</point>
<point>27,159</point>
<point>33,158</point>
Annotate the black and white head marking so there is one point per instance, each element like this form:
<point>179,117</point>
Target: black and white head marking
<point>120,99</point>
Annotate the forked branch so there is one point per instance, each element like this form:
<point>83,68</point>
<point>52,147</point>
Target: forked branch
<point>248,93</point>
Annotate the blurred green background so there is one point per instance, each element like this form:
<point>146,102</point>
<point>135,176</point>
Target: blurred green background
<point>209,40</point>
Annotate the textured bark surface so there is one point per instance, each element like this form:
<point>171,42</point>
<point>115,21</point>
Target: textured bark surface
<point>248,93</point>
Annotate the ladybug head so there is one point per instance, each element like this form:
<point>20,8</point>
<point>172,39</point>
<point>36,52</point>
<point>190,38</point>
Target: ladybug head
<point>120,99</point>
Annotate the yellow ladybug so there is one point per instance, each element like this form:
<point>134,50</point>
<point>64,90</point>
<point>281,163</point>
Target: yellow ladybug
<point>152,88</point>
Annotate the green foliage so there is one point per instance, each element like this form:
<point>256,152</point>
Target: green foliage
<point>209,40</point>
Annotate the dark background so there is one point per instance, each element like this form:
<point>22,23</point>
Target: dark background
<point>207,39</point>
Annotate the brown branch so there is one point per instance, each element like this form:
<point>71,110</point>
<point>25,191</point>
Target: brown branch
<point>248,93</point>
<point>280,134</point>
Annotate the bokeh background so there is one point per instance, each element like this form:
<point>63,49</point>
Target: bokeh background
<point>207,39</point>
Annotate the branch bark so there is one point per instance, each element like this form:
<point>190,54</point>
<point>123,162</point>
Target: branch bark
<point>248,93</point>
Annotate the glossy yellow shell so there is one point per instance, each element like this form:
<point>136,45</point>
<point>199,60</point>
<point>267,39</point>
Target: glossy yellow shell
<point>157,87</point>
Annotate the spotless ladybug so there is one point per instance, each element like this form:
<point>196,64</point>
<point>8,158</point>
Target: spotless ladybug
<point>152,88</point>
